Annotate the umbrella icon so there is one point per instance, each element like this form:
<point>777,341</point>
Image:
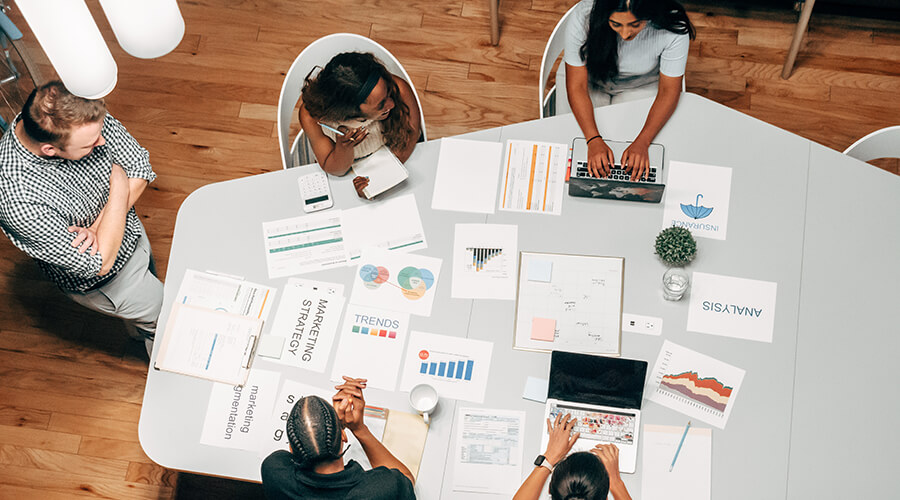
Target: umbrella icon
<point>697,211</point>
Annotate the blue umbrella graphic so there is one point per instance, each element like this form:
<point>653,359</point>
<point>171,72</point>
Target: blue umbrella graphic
<point>696,211</point>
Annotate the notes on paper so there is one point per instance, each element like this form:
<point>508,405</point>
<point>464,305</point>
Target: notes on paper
<point>488,451</point>
<point>484,261</point>
<point>307,320</point>
<point>690,478</point>
<point>292,391</point>
<point>237,417</point>
<point>225,293</point>
<point>533,177</point>
<point>697,198</point>
<point>695,384</point>
<point>467,176</point>
<point>371,345</point>
<point>732,307</point>
<point>457,367</point>
<point>304,244</point>
<point>209,344</point>
<point>396,281</point>
<point>392,224</point>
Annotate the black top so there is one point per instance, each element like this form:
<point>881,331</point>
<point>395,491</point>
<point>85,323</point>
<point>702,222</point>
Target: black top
<point>283,479</point>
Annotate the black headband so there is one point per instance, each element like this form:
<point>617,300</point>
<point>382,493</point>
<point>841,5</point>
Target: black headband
<point>367,87</point>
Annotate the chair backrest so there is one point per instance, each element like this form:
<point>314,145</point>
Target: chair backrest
<point>319,53</point>
<point>884,143</point>
<point>554,48</point>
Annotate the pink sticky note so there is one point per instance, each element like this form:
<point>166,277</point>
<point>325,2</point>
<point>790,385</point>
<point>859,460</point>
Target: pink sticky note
<point>543,329</point>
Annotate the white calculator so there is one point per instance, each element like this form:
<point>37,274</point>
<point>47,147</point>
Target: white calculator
<point>314,191</point>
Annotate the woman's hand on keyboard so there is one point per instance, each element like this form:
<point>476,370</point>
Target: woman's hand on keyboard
<point>600,158</point>
<point>636,160</point>
<point>561,438</point>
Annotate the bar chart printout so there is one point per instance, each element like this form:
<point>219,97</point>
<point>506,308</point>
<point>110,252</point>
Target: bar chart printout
<point>456,367</point>
<point>304,244</point>
<point>459,369</point>
<point>484,261</point>
<point>694,384</point>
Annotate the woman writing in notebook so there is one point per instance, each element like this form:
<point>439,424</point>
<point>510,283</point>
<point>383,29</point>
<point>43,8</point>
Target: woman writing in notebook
<point>621,50</point>
<point>583,475</point>
<point>352,108</point>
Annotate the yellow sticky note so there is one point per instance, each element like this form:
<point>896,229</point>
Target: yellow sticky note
<point>543,329</point>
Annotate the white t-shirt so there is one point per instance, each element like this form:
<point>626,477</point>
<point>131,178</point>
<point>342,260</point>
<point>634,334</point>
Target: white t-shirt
<point>651,52</point>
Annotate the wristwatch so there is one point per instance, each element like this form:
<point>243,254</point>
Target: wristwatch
<point>541,461</point>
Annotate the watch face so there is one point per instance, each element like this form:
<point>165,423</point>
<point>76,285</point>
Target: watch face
<point>539,460</point>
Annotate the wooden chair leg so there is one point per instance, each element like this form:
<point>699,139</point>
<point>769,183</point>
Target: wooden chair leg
<point>495,22</point>
<point>799,31</point>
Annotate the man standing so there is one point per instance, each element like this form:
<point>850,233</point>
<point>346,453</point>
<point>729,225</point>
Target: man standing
<point>69,176</point>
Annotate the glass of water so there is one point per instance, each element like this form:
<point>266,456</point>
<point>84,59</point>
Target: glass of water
<point>675,282</point>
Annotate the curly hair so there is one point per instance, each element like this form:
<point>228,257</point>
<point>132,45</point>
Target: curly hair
<point>334,95</point>
<point>51,112</point>
<point>314,431</point>
<point>601,48</point>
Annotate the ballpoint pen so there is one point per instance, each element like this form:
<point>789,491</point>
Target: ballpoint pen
<point>688,426</point>
<point>326,127</point>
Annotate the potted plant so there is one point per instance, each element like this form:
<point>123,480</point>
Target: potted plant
<point>676,246</point>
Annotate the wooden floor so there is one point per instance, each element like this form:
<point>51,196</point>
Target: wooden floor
<point>71,384</point>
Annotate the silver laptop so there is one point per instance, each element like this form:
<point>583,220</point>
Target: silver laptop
<point>618,184</point>
<point>604,396</point>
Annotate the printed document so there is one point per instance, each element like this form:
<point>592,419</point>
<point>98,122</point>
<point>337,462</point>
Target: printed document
<point>690,478</point>
<point>533,177</point>
<point>467,176</point>
<point>732,307</point>
<point>237,417</point>
<point>697,198</point>
<point>371,346</point>
<point>484,261</point>
<point>487,457</point>
<point>457,367</point>
<point>392,224</point>
<point>304,244</point>
<point>225,293</point>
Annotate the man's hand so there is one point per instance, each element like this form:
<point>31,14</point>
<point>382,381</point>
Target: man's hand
<point>360,183</point>
<point>636,160</point>
<point>85,238</point>
<point>561,438</point>
<point>600,158</point>
<point>350,404</point>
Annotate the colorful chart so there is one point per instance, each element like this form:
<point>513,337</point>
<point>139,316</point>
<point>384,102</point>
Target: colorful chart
<point>375,332</point>
<point>481,256</point>
<point>413,281</point>
<point>708,392</point>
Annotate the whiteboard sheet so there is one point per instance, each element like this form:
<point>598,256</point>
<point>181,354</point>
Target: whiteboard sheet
<point>583,295</point>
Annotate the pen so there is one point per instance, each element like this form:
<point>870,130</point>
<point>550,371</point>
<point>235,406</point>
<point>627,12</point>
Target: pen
<point>686,427</point>
<point>326,127</point>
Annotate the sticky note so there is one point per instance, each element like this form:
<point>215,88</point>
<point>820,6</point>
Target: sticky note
<point>543,329</point>
<point>270,346</point>
<point>540,270</point>
<point>535,389</point>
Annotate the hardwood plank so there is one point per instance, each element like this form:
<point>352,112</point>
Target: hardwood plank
<point>865,99</point>
<point>181,118</point>
<point>46,482</point>
<point>67,359</point>
<point>100,447</point>
<point>150,473</point>
<point>206,104</point>
<point>96,427</point>
<point>45,460</point>
<point>39,438</point>
<point>78,405</point>
<point>24,417</point>
<point>783,88</point>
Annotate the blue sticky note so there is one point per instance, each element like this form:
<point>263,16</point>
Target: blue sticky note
<point>535,389</point>
<point>540,270</point>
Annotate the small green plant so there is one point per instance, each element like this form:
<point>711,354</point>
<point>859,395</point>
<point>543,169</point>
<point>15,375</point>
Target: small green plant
<point>676,246</point>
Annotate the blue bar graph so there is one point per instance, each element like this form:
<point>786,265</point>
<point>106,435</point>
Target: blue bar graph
<point>469,364</point>
<point>424,368</point>
<point>442,367</point>
<point>461,370</point>
<point>432,368</point>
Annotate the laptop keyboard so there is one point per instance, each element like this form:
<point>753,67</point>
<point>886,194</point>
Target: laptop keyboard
<point>599,425</point>
<point>617,173</point>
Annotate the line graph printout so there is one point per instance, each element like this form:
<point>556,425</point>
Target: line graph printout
<point>304,244</point>
<point>582,294</point>
<point>396,281</point>
<point>484,261</point>
<point>533,177</point>
<point>694,384</point>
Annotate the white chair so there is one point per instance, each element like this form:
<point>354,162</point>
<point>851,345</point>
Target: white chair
<point>554,48</point>
<point>318,53</point>
<point>884,143</point>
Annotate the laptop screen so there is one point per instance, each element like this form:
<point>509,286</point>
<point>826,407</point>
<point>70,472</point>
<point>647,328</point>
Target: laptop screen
<point>598,380</point>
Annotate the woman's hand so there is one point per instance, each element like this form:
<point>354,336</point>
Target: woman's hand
<point>351,137</point>
<point>600,158</point>
<point>636,160</point>
<point>360,183</point>
<point>561,438</point>
<point>609,455</point>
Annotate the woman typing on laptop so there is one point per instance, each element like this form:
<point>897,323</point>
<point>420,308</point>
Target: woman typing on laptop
<point>352,108</point>
<point>617,51</point>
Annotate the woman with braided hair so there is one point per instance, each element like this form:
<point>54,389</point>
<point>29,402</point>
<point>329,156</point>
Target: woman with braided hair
<point>579,476</point>
<point>315,468</point>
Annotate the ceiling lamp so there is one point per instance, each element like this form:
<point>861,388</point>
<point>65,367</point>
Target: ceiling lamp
<point>145,29</point>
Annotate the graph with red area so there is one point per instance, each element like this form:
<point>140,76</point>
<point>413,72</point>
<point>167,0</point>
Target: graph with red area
<point>706,391</point>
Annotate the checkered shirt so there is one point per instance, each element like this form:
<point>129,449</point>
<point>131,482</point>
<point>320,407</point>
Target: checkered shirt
<point>41,197</point>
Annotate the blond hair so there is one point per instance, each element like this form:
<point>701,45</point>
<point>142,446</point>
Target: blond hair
<point>51,112</point>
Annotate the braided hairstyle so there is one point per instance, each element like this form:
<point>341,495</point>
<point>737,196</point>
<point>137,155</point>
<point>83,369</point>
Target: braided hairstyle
<point>314,431</point>
<point>581,476</point>
<point>601,47</point>
<point>335,95</point>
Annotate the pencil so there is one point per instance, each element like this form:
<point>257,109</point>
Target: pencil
<point>326,127</point>
<point>686,427</point>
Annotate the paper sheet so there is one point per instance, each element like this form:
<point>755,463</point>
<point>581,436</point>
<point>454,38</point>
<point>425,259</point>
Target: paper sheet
<point>488,453</point>
<point>533,177</point>
<point>239,417</point>
<point>535,389</point>
<point>694,384</point>
<point>467,176</point>
<point>371,346</point>
<point>690,478</point>
<point>225,293</point>
<point>404,436</point>
<point>732,307</point>
<point>383,169</point>
<point>457,367</point>
<point>697,198</point>
<point>540,270</point>
<point>307,319</point>
<point>304,244</point>
<point>392,224</point>
<point>396,281</point>
<point>484,261</point>
<point>291,391</point>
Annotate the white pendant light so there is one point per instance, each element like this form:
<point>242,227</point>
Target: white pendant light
<point>145,28</point>
<point>74,45</point>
